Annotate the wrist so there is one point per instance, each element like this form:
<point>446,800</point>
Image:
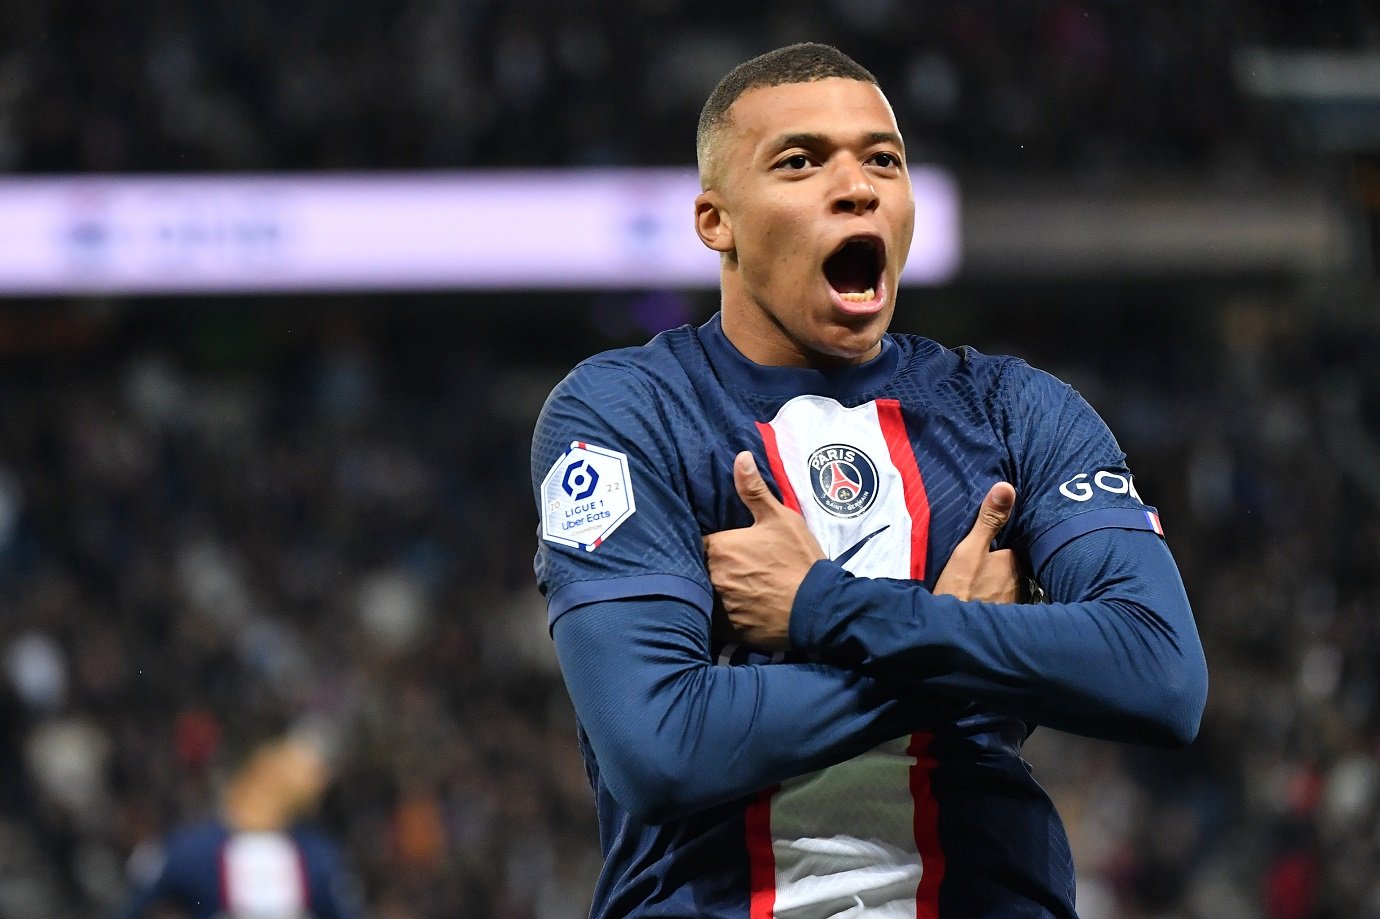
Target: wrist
<point>805,627</point>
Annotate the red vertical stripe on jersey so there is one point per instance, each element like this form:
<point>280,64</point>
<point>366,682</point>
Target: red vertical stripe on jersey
<point>303,881</point>
<point>926,828</point>
<point>761,858</point>
<point>926,819</point>
<point>917,502</point>
<point>778,468</point>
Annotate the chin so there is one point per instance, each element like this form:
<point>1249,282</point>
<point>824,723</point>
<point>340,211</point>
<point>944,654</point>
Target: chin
<point>858,336</point>
<point>851,345</point>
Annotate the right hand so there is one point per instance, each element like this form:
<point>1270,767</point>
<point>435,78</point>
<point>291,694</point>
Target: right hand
<point>757,570</point>
<point>974,571</point>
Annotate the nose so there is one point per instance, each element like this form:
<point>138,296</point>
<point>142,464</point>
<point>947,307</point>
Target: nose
<point>853,190</point>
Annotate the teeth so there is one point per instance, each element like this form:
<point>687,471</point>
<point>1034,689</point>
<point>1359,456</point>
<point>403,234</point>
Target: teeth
<point>862,296</point>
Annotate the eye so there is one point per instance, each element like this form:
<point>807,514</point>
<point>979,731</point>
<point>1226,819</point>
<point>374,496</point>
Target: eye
<point>886,160</point>
<point>795,162</point>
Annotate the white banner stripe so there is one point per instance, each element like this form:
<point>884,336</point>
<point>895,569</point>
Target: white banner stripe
<point>479,230</point>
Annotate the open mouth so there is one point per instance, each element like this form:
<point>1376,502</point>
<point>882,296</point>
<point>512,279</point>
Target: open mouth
<point>854,271</point>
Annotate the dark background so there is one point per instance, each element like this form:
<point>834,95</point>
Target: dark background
<point>223,513</point>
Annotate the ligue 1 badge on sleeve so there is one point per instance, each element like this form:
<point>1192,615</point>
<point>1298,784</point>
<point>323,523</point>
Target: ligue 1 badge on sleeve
<point>585,496</point>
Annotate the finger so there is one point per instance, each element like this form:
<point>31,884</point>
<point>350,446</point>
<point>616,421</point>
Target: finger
<point>994,512</point>
<point>752,488</point>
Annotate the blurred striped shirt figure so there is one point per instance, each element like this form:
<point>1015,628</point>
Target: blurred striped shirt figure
<point>256,860</point>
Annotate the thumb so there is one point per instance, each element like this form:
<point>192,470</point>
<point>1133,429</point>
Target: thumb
<point>752,488</point>
<point>994,512</point>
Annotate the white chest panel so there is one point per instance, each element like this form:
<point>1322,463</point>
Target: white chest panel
<point>843,839</point>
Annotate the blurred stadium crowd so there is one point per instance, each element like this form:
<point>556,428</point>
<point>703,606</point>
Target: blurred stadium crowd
<point>217,519</point>
<point>214,529</point>
<point>217,516</point>
<point>1071,86</point>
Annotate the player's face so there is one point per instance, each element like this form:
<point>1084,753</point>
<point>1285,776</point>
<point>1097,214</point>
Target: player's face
<point>813,209</point>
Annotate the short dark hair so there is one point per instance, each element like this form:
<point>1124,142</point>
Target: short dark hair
<point>805,62</point>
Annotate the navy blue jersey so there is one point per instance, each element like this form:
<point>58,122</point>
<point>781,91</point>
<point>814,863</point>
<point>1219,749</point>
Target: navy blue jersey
<point>887,462</point>
<point>211,872</point>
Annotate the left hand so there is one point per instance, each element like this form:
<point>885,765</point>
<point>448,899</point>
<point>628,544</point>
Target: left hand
<point>976,571</point>
<point>757,570</point>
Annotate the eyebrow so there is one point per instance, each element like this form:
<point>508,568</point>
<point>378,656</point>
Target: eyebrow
<point>814,141</point>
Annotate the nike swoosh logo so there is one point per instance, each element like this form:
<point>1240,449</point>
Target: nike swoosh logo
<point>843,557</point>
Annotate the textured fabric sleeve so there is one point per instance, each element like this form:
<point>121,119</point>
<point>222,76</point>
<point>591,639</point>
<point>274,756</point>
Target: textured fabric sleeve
<point>674,733</point>
<point>1070,475</point>
<point>1116,655</point>
<point>610,493</point>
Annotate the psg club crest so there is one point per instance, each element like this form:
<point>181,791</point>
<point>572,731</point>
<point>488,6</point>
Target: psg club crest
<point>585,496</point>
<point>843,479</point>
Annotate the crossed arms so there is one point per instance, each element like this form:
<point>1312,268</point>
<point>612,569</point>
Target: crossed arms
<point>1117,656</point>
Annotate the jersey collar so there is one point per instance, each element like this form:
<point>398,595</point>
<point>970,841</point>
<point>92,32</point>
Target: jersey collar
<point>788,382</point>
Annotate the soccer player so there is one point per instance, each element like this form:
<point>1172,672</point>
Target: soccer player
<point>845,740</point>
<point>256,860</point>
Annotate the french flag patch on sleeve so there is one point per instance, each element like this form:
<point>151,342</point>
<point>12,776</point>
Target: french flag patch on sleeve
<point>1153,519</point>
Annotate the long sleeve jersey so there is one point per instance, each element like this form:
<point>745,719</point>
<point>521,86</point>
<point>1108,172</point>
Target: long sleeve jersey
<point>878,772</point>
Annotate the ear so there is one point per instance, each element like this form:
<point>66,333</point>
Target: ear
<point>712,222</point>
